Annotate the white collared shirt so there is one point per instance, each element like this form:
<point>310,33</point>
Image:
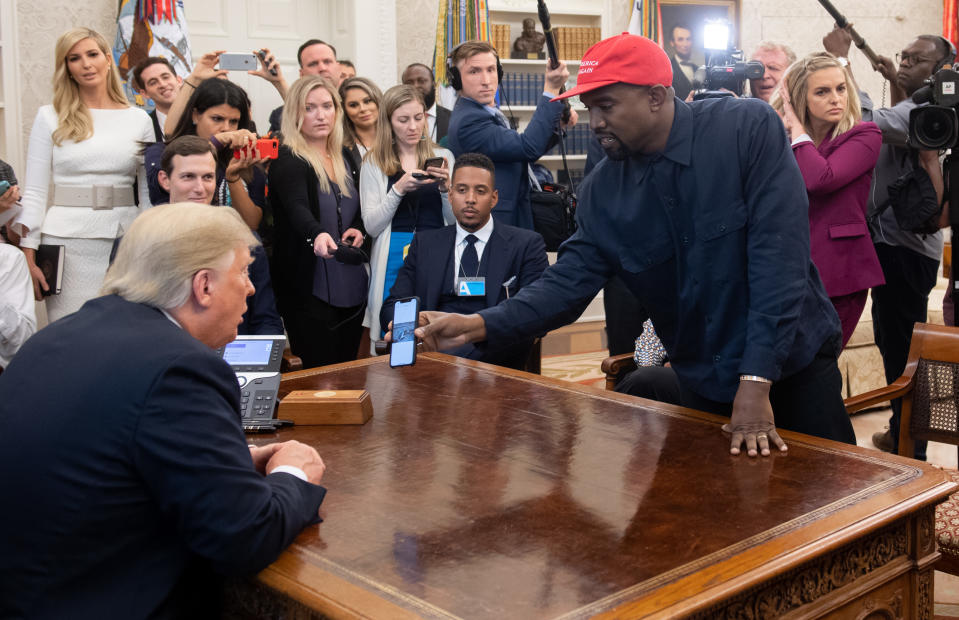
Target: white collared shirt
<point>431,122</point>
<point>482,236</point>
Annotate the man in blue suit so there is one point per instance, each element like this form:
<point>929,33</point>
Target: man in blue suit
<point>129,476</point>
<point>473,264</point>
<point>478,126</point>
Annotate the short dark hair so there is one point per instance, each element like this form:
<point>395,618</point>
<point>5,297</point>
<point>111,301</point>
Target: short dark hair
<point>345,63</point>
<point>185,146</point>
<point>683,25</point>
<point>942,47</point>
<point>419,64</point>
<point>148,62</point>
<point>299,52</point>
<point>475,160</point>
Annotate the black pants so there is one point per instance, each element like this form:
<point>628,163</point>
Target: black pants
<point>658,383</point>
<point>809,401</point>
<point>624,317</point>
<point>321,334</point>
<point>897,306</point>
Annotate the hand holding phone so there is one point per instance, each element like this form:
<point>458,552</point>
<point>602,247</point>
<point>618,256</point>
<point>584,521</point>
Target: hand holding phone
<point>262,55</point>
<point>267,148</point>
<point>405,319</point>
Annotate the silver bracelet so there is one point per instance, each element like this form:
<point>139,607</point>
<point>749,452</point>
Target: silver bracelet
<point>755,378</point>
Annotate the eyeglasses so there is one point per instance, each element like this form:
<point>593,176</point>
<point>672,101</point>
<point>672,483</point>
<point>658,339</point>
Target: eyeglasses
<point>912,59</point>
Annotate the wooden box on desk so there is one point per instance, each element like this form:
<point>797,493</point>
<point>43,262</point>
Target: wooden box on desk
<point>313,407</point>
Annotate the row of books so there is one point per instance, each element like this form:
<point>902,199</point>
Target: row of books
<point>500,39</point>
<point>577,140</point>
<point>572,43</point>
<point>524,88</point>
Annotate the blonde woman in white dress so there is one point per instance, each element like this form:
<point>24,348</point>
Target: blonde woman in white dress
<point>87,143</point>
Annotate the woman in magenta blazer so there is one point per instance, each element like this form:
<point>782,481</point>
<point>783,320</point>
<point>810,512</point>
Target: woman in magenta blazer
<point>836,153</point>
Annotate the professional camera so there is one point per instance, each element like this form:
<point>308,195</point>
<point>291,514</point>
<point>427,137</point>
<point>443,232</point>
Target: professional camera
<point>935,127</point>
<point>726,72</point>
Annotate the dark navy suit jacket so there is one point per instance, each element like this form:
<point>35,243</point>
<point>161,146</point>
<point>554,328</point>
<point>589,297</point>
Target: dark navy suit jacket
<point>129,465</point>
<point>474,130</point>
<point>427,273</point>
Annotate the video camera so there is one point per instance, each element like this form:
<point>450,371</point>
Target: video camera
<point>726,72</point>
<point>935,126</point>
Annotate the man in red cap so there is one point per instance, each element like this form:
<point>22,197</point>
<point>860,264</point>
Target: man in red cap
<point>701,210</point>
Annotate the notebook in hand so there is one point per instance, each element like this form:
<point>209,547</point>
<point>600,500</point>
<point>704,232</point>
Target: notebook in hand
<point>50,260</point>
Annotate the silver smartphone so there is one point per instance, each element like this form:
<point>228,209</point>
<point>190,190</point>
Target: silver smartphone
<point>238,61</point>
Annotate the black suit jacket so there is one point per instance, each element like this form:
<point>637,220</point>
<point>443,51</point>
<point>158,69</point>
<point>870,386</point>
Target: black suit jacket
<point>129,465</point>
<point>427,273</point>
<point>681,83</point>
<point>442,122</point>
<point>157,130</point>
<point>296,216</point>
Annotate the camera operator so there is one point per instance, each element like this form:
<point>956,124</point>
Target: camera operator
<point>775,58</point>
<point>909,261</point>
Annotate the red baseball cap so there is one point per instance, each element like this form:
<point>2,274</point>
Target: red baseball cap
<point>626,58</point>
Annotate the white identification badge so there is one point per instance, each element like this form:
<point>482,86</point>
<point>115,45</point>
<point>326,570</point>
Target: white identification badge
<point>470,287</point>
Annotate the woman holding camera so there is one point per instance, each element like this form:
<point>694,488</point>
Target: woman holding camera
<point>404,187</point>
<point>319,270</point>
<point>219,111</point>
<point>87,143</point>
<point>836,153</point>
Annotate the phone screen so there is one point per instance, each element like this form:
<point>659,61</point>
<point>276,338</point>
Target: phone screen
<point>403,350</point>
<point>433,162</point>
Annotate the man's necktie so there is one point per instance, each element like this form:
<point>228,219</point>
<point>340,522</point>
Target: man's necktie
<point>469,262</point>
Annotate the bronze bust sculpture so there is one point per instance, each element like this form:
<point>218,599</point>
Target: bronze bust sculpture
<point>529,44</point>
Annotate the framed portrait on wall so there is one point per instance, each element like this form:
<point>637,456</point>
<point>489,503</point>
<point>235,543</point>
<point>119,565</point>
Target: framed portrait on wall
<point>692,15</point>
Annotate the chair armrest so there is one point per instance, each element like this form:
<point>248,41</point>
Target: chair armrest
<point>615,367</point>
<point>899,387</point>
<point>290,362</point>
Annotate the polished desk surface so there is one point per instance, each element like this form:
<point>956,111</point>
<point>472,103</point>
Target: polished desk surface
<point>478,492</point>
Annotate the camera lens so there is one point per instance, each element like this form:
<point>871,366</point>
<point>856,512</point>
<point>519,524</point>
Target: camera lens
<point>933,127</point>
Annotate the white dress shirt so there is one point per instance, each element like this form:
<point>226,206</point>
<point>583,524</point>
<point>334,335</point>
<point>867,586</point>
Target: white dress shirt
<point>482,235</point>
<point>18,321</point>
<point>431,121</point>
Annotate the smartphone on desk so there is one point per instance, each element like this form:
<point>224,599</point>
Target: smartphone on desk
<point>405,317</point>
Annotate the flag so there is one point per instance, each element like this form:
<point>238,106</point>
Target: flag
<point>458,21</point>
<point>150,28</point>
<point>950,22</point>
<point>646,20</point>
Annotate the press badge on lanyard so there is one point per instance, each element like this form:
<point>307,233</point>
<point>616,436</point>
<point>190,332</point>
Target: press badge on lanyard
<point>470,287</point>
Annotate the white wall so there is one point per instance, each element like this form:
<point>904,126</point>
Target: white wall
<point>886,24</point>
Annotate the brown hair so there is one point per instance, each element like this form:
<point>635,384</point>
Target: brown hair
<point>184,146</point>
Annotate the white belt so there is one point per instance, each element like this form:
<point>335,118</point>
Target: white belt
<point>95,196</point>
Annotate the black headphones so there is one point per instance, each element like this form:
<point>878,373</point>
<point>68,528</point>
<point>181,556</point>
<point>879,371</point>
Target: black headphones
<point>453,73</point>
<point>950,56</point>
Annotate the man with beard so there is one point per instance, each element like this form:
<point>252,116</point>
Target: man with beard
<point>910,262</point>
<point>420,77</point>
<point>702,211</point>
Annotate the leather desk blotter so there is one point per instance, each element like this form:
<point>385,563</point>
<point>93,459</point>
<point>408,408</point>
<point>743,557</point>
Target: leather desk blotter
<point>314,407</point>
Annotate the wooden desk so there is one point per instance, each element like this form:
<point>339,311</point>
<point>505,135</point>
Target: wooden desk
<point>483,493</point>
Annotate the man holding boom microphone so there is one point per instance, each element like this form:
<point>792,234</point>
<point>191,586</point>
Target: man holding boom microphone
<point>715,248</point>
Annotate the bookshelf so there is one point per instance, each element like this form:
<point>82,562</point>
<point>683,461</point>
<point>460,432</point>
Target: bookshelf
<point>586,19</point>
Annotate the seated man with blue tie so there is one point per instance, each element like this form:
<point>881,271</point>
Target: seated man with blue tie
<point>473,264</point>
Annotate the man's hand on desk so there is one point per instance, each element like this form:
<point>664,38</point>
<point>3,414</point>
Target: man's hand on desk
<point>294,454</point>
<point>439,331</point>
<point>752,420</point>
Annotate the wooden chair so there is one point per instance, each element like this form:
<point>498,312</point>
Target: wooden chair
<point>617,367</point>
<point>929,388</point>
<point>290,362</point>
